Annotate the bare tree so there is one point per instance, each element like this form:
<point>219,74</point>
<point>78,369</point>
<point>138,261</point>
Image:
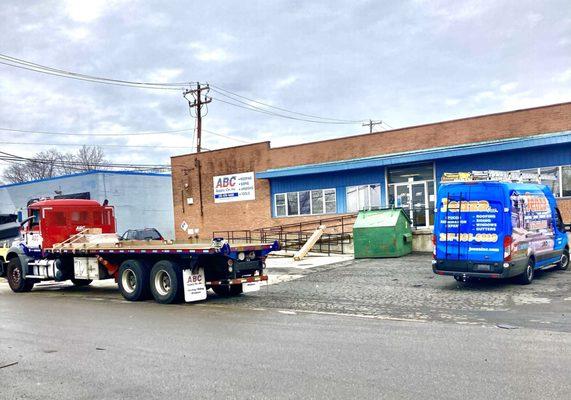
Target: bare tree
<point>51,163</point>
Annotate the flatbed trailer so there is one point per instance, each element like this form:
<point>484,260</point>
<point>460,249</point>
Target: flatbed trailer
<point>77,240</point>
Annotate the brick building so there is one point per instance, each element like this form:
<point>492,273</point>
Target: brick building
<point>400,167</point>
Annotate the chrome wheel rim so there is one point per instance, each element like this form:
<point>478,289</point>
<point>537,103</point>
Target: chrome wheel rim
<point>564,260</point>
<point>163,283</point>
<point>16,276</point>
<point>529,272</point>
<point>129,281</point>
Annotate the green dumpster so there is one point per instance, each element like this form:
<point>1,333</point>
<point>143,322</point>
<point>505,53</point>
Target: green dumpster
<point>382,233</point>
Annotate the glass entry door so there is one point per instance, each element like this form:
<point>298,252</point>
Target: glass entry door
<point>414,199</point>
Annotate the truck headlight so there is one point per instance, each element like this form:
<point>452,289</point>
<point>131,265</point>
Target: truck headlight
<point>241,256</point>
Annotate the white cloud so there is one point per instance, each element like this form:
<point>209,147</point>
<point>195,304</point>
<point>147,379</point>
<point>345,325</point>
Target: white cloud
<point>451,102</point>
<point>206,53</point>
<point>508,87</point>
<point>164,75</point>
<point>534,19</point>
<point>85,11</point>
<point>283,83</point>
<point>564,76</point>
<point>486,95</point>
<point>76,34</point>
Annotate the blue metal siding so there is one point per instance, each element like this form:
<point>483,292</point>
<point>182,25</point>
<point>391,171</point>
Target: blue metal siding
<point>337,181</point>
<point>546,156</point>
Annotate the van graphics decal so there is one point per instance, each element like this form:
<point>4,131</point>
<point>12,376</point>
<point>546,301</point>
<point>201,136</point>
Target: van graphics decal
<point>532,223</point>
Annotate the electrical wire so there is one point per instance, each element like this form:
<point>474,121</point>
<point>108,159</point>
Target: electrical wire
<point>98,145</point>
<point>220,91</point>
<point>95,134</point>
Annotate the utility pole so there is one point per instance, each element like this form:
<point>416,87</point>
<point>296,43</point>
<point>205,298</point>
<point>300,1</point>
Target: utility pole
<point>371,123</point>
<point>197,103</point>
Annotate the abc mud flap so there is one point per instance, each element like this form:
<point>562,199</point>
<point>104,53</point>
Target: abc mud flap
<point>194,284</point>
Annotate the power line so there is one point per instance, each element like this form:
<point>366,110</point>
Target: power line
<point>98,145</point>
<point>93,133</point>
<point>27,65</point>
<point>220,91</point>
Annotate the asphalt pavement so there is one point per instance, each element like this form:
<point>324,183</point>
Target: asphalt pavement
<point>348,330</point>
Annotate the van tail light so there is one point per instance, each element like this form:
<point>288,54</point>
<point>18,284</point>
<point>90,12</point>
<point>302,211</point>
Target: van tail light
<point>507,248</point>
<point>434,247</point>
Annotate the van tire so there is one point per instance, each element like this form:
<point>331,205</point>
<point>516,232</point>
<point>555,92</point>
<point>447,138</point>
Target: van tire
<point>166,282</point>
<point>527,277</point>
<point>133,280</point>
<point>563,264</point>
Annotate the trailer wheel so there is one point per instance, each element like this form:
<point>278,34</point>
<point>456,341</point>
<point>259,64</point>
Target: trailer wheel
<point>134,280</point>
<point>15,277</point>
<point>166,282</point>
<point>81,282</point>
<point>227,290</point>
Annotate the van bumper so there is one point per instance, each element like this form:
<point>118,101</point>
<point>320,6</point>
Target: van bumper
<point>496,270</point>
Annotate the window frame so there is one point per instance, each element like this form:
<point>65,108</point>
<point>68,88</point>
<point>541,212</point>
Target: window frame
<point>286,195</point>
<point>358,188</point>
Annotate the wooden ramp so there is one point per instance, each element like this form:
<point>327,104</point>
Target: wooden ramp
<point>309,244</point>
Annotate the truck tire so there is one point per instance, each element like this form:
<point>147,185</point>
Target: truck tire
<point>527,277</point>
<point>134,280</point>
<point>563,264</point>
<point>81,282</point>
<point>15,278</point>
<point>166,282</point>
<point>227,290</point>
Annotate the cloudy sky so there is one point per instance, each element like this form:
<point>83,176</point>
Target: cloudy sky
<point>403,62</point>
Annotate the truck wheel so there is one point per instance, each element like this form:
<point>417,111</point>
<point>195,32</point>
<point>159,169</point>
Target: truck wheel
<point>134,280</point>
<point>15,277</point>
<point>82,282</point>
<point>166,282</point>
<point>527,277</point>
<point>563,264</point>
<point>227,290</point>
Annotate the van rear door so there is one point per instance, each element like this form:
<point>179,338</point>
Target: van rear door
<point>470,224</point>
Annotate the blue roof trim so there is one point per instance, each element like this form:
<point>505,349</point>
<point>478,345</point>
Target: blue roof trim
<point>421,155</point>
<point>55,178</point>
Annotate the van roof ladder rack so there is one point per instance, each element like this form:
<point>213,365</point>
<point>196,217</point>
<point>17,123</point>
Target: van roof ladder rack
<point>499,176</point>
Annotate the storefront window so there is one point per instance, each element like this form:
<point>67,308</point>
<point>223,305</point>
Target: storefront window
<point>307,202</point>
<point>566,180</point>
<point>363,197</point>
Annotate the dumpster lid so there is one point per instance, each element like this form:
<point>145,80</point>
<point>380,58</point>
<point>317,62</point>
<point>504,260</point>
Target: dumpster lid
<point>378,218</point>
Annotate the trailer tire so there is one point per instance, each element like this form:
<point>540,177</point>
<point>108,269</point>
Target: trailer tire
<point>133,280</point>
<point>166,282</point>
<point>81,282</point>
<point>227,290</point>
<point>17,283</point>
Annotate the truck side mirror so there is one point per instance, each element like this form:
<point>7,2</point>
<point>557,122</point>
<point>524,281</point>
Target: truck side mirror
<point>24,222</point>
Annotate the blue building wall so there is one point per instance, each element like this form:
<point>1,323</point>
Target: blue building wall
<point>541,156</point>
<point>140,199</point>
<point>338,181</point>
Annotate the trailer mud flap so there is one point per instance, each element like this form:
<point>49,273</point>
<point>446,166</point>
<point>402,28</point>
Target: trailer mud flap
<point>194,284</point>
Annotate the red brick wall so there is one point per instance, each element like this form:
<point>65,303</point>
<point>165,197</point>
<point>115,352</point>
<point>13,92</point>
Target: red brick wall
<point>259,157</point>
<point>565,208</point>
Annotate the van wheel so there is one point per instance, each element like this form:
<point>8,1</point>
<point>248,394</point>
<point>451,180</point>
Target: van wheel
<point>134,280</point>
<point>563,264</point>
<point>166,282</point>
<point>15,274</point>
<point>527,277</point>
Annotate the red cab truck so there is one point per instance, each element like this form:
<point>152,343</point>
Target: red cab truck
<point>76,240</point>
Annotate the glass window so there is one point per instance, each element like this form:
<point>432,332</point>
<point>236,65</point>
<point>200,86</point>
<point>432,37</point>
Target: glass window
<point>304,203</point>
<point>553,184</point>
<point>409,173</point>
<point>317,201</point>
<point>292,203</point>
<point>330,201</point>
<point>566,180</point>
<point>280,205</point>
<point>363,197</point>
